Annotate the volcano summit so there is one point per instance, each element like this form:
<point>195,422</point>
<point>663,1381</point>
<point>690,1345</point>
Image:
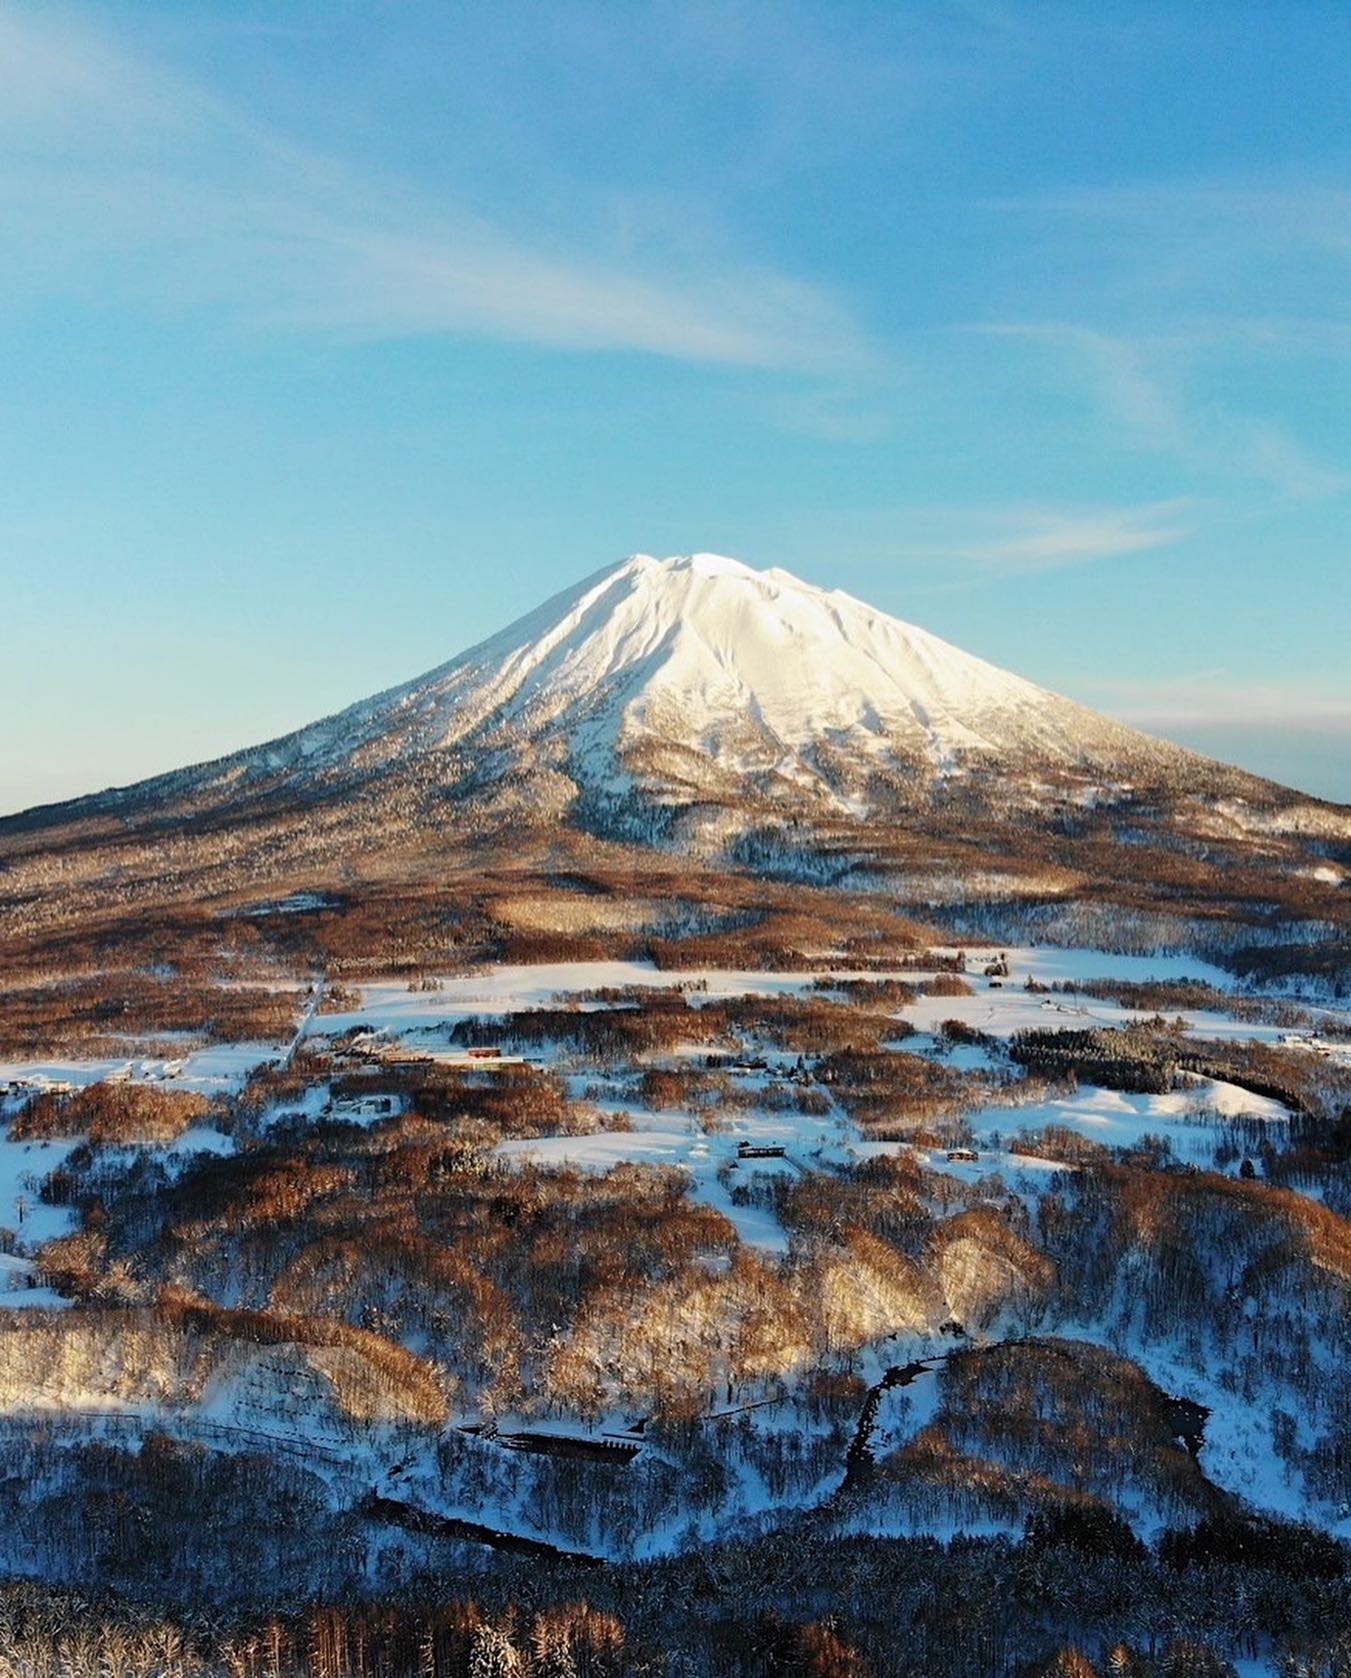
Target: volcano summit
<point>692,704</point>
<point>694,674</point>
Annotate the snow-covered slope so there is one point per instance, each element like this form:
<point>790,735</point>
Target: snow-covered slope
<point>706,648</point>
<point>693,677</point>
<point>708,652</point>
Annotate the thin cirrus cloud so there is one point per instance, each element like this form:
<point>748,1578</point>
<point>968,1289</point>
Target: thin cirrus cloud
<point>1146,386</point>
<point>143,184</point>
<point>1219,699</point>
<point>1184,231</point>
<point>1017,541</point>
<point>1224,256</point>
<point>1190,285</point>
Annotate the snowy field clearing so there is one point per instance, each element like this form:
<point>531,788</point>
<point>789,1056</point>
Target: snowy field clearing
<point>23,1165</point>
<point>1051,965</point>
<point>1188,1119</point>
<point>709,1159</point>
<point>393,1007</point>
<point>218,1069</point>
<point>1025,1175</point>
<point>1238,1450</point>
<point>1238,1453</point>
<point>998,1009</point>
<point>1001,1007</point>
<point>19,1287</point>
<point>507,989</point>
<point>221,1069</point>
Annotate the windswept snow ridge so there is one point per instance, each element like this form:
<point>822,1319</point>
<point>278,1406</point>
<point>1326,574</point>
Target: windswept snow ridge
<point>696,674</point>
<point>752,669</point>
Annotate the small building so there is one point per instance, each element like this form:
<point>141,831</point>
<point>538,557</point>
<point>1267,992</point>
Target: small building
<point>759,1150</point>
<point>52,1086</point>
<point>963,1156</point>
<point>362,1107</point>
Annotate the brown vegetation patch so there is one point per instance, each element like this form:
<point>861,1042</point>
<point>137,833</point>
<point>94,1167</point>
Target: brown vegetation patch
<point>124,1012</point>
<point>892,1094</point>
<point>1071,1417</point>
<point>112,1112</point>
<point>169,1356</point>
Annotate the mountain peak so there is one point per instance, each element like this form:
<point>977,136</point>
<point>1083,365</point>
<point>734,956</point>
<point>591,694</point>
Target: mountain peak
<point>700,564</point>
<point>696,675</point>
<point>693,678</point>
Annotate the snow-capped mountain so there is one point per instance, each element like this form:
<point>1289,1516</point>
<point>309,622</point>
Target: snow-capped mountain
<point>694,705</point>
<point>679,680</point>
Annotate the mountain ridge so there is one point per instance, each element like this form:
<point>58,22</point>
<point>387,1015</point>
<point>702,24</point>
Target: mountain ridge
<point>765,678</point>
<point>729,721</point>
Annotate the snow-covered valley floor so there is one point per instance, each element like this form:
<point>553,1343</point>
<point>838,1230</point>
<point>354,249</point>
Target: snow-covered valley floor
<point>710,1149</point>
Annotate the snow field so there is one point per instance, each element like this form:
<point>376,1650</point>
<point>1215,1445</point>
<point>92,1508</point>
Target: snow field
<point>1238,1451</point>
<point>218,1069</point>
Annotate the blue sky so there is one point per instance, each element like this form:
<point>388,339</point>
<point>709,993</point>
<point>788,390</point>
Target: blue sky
<point>334,335</point>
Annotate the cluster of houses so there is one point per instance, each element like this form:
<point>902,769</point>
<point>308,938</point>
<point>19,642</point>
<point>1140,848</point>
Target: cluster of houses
<point>1309,1040</point>
<point>750,1065</point>
<point>375,1048</point>
<point>406,1054</point>
<point>39,1083</point>
<point>362,1108</point>
<point>36,1083</point>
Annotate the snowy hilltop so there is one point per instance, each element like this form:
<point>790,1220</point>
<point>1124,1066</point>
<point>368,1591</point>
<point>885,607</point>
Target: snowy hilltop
<point>752,668</point>
<point>698,676</point>
<point>702,707</point>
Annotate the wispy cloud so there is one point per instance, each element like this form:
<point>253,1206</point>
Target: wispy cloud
<point>1160,299</point>
<point>1117,367</point>
<point>1016,541</point>
<point>1213,221</point>
<point>1142,386</point>
<point>126,179</point>
<point>1221,698</point>
<point>1215,254</point>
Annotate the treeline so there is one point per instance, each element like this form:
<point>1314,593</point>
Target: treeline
<point>1142,1062</point>
<point>123,1012</point>
<point>1170,996</point>
<point>413,1230</point>
<point>1255,1279</point>
<point>1043,1422</point>
<point>600,1034</point>
<point>548,1287</point>
<point>166,1354</point>
<point>1077,1598</point>
<point>711,1093</point>
<point>662,1019</point>
<point>112,1112</point>
<point>1147,1057</point>
<point>893,1095</point>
